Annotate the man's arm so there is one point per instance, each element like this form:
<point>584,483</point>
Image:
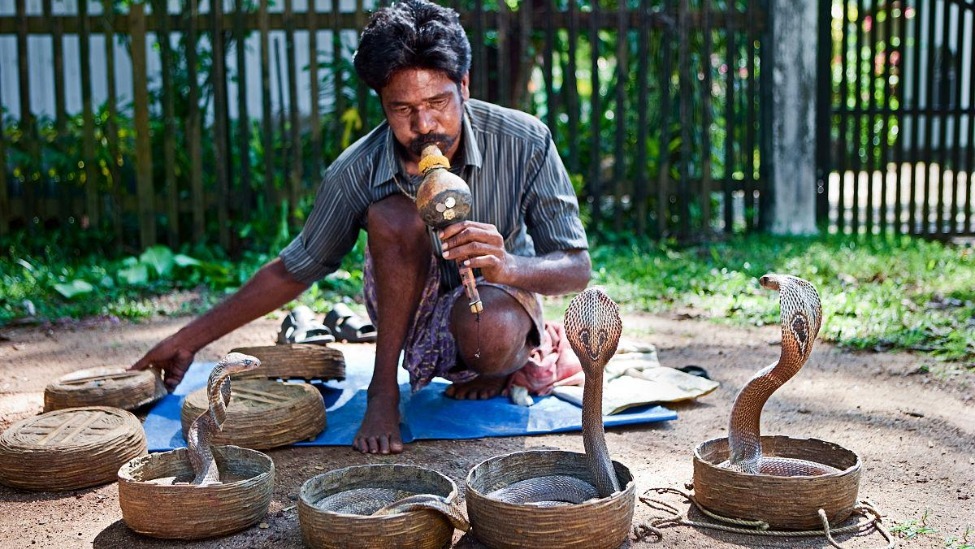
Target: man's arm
<point>480,246</point>
<point>271,287</point>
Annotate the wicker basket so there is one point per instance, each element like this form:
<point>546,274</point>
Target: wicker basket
<point>418,529</point>
<point>69,449</point>
<point>785,503</point>
<point>106,386</point>
<point>154,506</point>
<point>263,413</point>
<point>295,361</point>
<point>601,523</point>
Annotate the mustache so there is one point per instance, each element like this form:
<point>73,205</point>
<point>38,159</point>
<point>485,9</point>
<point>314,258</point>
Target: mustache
<point>442,140</point>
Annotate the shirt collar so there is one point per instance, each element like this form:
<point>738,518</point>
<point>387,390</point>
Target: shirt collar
<point>469,152</point>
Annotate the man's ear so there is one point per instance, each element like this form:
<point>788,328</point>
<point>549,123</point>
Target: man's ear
<point>465,90</point>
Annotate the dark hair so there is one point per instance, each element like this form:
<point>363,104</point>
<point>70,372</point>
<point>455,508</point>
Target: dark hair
<point>412,34</point>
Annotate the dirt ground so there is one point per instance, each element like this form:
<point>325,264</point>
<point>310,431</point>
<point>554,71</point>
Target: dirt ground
<point>914,431</point>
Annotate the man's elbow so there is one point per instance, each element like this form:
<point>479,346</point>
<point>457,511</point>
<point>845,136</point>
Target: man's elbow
<point>582,271</point>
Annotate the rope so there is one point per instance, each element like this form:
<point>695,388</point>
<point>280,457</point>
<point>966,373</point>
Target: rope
<point>675,517</point>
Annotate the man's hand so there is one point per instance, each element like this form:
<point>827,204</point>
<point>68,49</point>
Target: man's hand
<point>478,246</point>
<point>171,358</point>
<point>481,246</point>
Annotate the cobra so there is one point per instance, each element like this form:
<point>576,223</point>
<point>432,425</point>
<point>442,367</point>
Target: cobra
<point>801,318</point>
<point>378,502</point>
<point>593,327</point>
<point>199,437</point>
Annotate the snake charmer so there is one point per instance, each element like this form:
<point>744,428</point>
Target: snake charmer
<point>522,237</point>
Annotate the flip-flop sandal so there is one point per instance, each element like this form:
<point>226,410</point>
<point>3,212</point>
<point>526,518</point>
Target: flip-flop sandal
<point>695,370</point>
<point>300,326</point>
<point>348,326</point>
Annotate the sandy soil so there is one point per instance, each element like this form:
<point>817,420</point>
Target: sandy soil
<point>914,430</point>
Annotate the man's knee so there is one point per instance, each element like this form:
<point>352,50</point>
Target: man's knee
<point>394,220</point>
<point>497,342</point>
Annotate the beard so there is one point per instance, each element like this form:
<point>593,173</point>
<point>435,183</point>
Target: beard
<point>441,140</point>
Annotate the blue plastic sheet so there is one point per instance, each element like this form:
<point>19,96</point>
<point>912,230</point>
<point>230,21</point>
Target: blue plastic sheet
<point>425,415</point>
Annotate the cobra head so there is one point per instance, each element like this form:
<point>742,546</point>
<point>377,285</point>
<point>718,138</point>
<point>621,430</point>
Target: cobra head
<point>242,361</point>
<point>593,327</point>
<point>801,309</point>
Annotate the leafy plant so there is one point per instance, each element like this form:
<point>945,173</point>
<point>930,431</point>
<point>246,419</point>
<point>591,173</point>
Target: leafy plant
<point>911,528</point>
<point>951,542</point>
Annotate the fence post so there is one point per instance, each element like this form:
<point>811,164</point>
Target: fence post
<point>143,147</point>
<point>792,55</point>
<point>92,206</point>
<point>4,196</point>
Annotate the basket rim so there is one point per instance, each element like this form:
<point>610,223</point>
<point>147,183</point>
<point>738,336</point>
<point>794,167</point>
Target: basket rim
<point>856,466</point>
<point>303,500</point>
<point>468,481</point>
<point>125,471</point>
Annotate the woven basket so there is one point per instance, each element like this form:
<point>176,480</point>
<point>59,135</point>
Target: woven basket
<point>116,387</point>
<point>419,529</point>
<point>295,361</point>
<point>785,503</point>
<point>601,523</point>
<point>263,413</point>
<point>154,506</point>
<point>69,449</point>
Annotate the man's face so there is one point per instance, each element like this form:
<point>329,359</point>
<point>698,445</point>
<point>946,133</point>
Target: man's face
<point>425,106</point>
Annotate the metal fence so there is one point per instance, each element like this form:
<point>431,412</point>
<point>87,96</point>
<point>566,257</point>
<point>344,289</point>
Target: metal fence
<point>897,151</point>
<point>209,120</point>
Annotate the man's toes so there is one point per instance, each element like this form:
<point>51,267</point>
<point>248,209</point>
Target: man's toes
<point>373,445</point>
<point>395,446</point>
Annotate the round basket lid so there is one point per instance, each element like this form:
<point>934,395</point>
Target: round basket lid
<point>263,413</point>
<point>106,386</point>
<point>295,361</point>
<point>69,449</point>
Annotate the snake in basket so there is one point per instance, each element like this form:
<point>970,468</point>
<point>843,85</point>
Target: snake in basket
<point>199,437</point>
<point>801,318</point>
<point>593,327</point>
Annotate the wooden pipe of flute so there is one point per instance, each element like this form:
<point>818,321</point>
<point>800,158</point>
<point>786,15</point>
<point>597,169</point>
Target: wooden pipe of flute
<point>444,199</point>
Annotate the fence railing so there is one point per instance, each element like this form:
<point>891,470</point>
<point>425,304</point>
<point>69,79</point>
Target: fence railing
<point>200,125</point>
<point>897,137</point>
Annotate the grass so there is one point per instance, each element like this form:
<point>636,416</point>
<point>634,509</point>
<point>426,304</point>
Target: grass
<point>878,293</point>
<point>910,529</point>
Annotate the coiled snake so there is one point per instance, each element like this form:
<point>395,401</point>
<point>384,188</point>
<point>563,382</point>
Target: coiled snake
<point>199,437</point>
<point>593,327</point>
<point>801,318</point>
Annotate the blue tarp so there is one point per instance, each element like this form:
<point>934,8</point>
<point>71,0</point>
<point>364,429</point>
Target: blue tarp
<point>426,415</point>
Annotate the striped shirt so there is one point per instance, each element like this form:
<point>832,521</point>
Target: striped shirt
<point>518,184</point>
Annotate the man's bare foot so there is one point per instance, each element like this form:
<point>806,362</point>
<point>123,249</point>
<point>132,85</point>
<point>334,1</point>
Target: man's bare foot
<point>479,388</point>
<point>379,433</point>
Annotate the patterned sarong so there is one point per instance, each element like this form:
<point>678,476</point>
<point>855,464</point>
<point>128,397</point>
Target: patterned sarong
<point>431,350</point>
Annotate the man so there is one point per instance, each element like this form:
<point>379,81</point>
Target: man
<point>523,234</point>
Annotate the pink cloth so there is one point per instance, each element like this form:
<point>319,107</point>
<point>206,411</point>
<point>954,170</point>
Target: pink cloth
<point>553,363</point>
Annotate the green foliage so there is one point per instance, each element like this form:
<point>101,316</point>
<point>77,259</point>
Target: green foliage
<point>39,279</point>
<point>912,528</point>
<point>41,282</point>
<point>964,542</point>
<point>877,294</point>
